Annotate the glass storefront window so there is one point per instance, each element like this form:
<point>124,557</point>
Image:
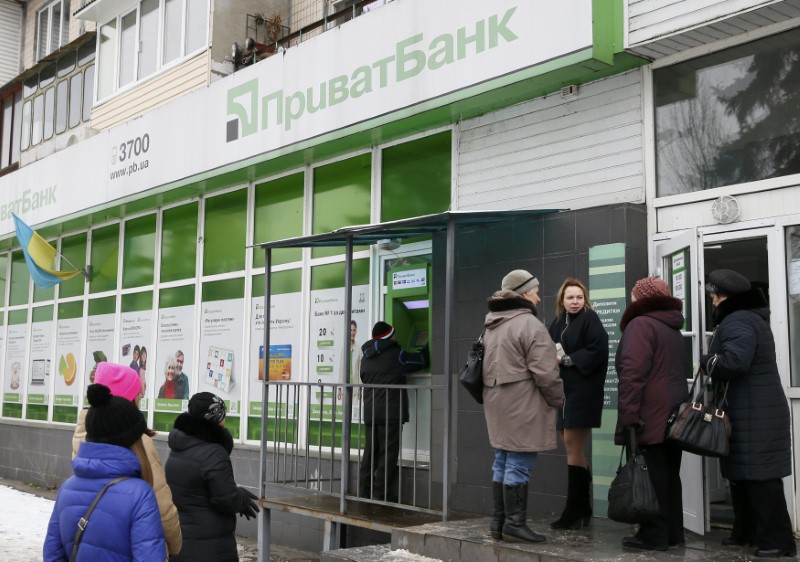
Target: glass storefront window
<point>20,279</point>
<point>729,117</point>
<point>139,252</point>
<point>73,248</point>
<point>225,230</point>
<point>278,215</point>
<point>179,243</point>
<point>105,256</point>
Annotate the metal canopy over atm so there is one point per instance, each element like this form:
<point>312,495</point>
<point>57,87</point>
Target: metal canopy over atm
<point>410,306</point>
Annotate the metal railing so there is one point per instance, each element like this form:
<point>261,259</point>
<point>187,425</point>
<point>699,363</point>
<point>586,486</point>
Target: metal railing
<point>317,431</point>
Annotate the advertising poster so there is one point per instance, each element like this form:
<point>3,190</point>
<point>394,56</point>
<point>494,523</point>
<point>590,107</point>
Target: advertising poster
<point>173,367</point>
<point>15,379</point>
<point>327,342</point>
<point>68,360</point>
<point>136,335</point>
<point>99,343</point>
<point>39,369</point>
<point>285,341</point>
<point>220,364</point>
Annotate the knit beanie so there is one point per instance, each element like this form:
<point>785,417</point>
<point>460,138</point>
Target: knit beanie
<point>207,406</point>
<point>382,331</point>
<point>120,379</point>
<point>519,281</point>
<point>112,419</point>
<point>651,287</point>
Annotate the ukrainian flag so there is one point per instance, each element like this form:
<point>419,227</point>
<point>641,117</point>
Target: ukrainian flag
<point>40,256</point>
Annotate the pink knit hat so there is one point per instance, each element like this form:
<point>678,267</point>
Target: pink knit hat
<point>650,287</point>
<point>121,379</point>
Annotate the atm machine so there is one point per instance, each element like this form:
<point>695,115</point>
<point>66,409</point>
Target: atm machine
<point>408,309</point>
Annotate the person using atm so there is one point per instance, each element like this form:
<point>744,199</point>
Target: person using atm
<point>383,361</point>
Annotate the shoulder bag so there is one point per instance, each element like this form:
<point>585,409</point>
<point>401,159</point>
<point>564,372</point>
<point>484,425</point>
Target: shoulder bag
<point>631,496</point>
<point>701,426</point>
<point>83,521</point>
<point>471,374</point>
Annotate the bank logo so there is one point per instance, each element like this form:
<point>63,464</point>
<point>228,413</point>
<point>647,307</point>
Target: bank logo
<point>243,107</point>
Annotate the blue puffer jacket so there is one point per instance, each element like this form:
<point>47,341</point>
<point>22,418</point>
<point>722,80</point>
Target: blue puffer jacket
<point>124,526</point>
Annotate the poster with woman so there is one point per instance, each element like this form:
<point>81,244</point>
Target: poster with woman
<point>172,383</point>
<point>136,333</point>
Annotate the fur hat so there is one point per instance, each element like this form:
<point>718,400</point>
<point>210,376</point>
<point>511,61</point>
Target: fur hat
<point>112,419</point>
<point>382,331</point>
<point>727,282</point>
<point>208,406</point>
<point>651,287</point>
<point>519,281</point>
<point>120,379</point>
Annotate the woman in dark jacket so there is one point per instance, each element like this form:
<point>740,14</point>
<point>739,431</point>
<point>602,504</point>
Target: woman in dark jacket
<point>582,349</point>
<point>200,474</point>
<point>651,366</point>
<point>742,353</point>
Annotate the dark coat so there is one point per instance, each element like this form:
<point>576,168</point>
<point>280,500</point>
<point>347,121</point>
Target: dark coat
<point>200,475</point>
<point>385,362</point>
<point>586,342</point>
<point>125,525</point>
<point>745,356</point>
<point>651,366</point>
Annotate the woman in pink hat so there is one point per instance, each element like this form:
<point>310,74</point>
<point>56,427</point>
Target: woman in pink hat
<point>126,383</point>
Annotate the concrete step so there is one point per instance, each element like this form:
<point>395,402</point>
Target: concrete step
<point>374,553</point>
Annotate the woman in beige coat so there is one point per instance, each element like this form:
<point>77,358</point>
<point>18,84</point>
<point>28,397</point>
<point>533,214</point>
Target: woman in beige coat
<point>522,391</point>
<point>125,382</point>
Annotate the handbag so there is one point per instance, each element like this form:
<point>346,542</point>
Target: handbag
<point>631,496</point>
<point>471,374</point>
<point>83,521</point>
<point>699,427</point>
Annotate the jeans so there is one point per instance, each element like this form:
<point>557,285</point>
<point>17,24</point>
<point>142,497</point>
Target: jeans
<point>513,468</point>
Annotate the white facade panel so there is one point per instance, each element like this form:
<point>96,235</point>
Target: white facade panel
<point>10,40</point>
<point>569,153</point>
<point>651,19</point>
<point>759,205</point>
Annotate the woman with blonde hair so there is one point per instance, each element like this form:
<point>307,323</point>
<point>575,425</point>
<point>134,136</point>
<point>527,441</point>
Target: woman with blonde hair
<point>124,524</point>
<point>124,382</point>
<point>582,349</point>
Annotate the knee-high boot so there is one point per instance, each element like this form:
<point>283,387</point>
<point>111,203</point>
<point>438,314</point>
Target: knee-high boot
<point>498,512</point>
<point>578,510</point>
<point>516,509</point>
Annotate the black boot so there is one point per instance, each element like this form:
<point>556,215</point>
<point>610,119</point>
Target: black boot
<point>578,510</point>
<point>516,507</point>
<point>498,512</point>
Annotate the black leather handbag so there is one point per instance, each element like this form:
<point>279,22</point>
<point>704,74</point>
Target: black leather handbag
<point>632,497</point>
<point>701,427</point>
<point>471,374</point>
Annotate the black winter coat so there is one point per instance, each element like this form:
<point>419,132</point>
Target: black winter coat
<point>745,356</point>
<point>651,366</point>
<point>200,475</point>
<point>586,342</point>
<point>385,362</point>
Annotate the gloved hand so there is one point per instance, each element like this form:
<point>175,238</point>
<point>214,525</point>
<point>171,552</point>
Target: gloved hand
<point>566,361</point>
<point>248,502</point>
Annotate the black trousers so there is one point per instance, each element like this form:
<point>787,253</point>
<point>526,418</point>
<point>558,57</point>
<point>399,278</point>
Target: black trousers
<point>378,476</point>
<point>664,468</point>
<point>760,514</point>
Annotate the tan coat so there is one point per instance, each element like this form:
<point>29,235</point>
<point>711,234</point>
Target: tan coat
<point>522,386</point>
<point>169,513</point>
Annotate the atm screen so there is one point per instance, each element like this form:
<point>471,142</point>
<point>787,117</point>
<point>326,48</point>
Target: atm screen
<point>421,338</point>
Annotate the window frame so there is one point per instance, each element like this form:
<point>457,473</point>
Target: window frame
<point>160,66</point>
<point>63,31</point>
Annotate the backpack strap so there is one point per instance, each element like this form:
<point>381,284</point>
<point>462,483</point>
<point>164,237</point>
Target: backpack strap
<point>83,521</point>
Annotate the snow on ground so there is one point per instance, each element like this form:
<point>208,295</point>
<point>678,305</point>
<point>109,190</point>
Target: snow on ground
<point>23,525</point>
